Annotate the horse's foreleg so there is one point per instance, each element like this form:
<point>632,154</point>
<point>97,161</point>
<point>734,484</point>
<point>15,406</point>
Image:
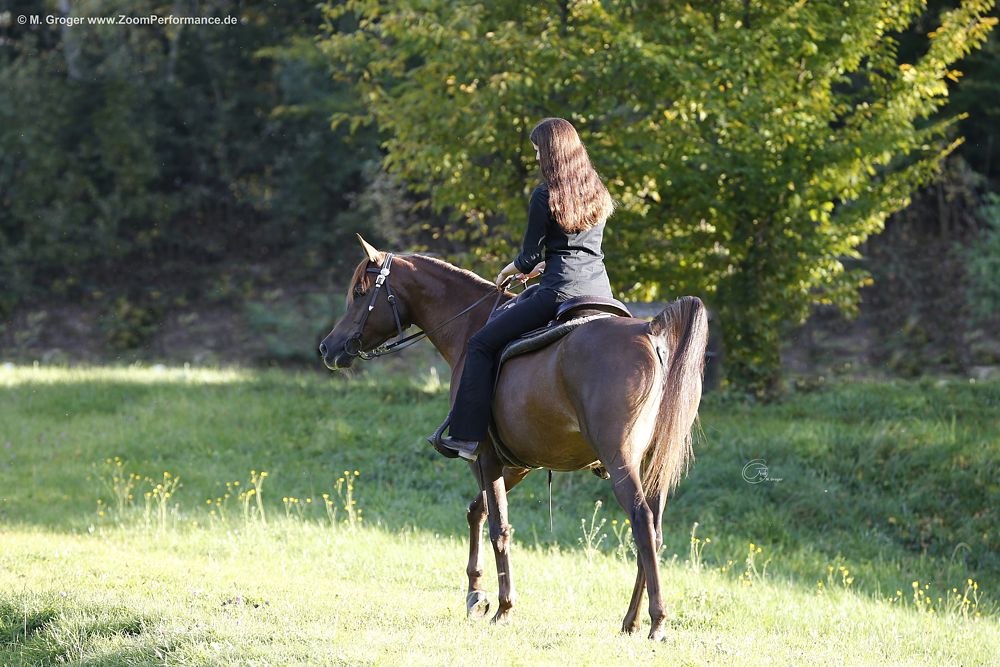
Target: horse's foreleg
<point>627,491</point>
<point>477,604</point>
<point>491,477</point>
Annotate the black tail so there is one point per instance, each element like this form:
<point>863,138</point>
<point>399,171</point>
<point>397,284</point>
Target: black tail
<point>681,333</point>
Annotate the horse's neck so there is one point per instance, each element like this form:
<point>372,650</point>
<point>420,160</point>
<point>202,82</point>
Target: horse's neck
<point>440,293</point>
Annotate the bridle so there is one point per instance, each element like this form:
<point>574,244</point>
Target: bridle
<point>352,346</point>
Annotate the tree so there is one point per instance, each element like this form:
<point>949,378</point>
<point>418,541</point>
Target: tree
<point>977,99</point>
<point>752,145</point>
<point>129,151</point>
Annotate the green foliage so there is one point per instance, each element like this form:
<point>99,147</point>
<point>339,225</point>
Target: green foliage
<point>753,146</point>
<point>977,99</point>
<point>285,325</point>
<point>983,267</point>
<point>129,323</point>
<point>149,146</point>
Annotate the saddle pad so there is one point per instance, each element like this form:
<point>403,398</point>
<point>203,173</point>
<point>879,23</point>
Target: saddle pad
<point>539,338</point>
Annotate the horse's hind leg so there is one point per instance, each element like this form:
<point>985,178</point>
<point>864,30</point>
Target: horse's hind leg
<point>627,491</point>
<point>631,623</point>
<point>659,503</point>
<point>477,604</point>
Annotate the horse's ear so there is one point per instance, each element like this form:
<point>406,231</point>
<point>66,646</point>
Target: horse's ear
<point>374,255</point>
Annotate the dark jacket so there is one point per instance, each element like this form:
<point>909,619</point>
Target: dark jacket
<point>574,263</point>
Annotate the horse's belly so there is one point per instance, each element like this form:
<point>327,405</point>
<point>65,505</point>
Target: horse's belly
<point>535,417</point>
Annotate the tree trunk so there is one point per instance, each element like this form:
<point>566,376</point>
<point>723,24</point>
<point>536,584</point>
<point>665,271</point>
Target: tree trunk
<point>751,325</point>
<point>70,44</point>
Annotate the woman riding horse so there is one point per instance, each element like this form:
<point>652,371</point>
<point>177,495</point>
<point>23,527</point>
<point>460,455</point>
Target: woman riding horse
<point>566,217</point>
<point>628,410</point>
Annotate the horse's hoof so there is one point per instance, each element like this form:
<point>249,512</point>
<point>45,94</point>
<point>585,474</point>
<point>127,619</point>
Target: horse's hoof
<point>501,617</point>
<point>658,633</point>
<point>477,605</point>
<point>630,628</point>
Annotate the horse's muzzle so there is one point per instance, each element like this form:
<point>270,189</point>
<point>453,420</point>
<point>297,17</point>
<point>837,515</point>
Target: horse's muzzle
<point>334,356</point>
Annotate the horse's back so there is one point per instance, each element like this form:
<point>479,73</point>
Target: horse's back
<point>555,407</point>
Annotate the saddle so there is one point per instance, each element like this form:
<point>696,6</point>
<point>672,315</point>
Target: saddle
<point>570,315</point>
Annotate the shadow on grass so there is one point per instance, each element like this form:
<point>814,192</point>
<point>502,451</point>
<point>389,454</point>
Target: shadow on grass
<point>37,631</point>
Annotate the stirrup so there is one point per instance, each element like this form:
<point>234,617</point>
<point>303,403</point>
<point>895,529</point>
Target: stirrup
<point>435,439</point>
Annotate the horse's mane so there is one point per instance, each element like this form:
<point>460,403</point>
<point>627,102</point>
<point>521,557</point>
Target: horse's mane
<point>363,279</point>
<point>451,268</point>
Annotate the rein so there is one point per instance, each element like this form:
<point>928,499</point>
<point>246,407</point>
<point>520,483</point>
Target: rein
<point>352,346</point>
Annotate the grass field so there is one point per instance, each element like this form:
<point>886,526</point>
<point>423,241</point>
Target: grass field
<point>874,538</point>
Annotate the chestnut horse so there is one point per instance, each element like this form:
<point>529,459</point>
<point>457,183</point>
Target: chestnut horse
<point>620,391</point>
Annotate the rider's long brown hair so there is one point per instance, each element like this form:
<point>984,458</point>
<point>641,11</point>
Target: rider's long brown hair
<point>577,197</point>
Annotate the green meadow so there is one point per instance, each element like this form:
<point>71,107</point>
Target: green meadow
<point>218,517</point>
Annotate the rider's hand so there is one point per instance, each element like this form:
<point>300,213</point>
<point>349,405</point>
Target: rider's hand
<point>509,270</point>
<point>535,272</point>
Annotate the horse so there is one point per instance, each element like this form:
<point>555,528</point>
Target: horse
<point>619,391</point>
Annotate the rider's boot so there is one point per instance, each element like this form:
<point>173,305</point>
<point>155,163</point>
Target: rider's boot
<point>467,449</point>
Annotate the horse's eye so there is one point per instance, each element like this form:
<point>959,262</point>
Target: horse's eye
<point>359,290</point>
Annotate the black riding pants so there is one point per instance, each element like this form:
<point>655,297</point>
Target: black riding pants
<point>470,416</point>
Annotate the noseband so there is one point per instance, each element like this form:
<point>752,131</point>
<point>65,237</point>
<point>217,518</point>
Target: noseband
<point>353,346</point>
